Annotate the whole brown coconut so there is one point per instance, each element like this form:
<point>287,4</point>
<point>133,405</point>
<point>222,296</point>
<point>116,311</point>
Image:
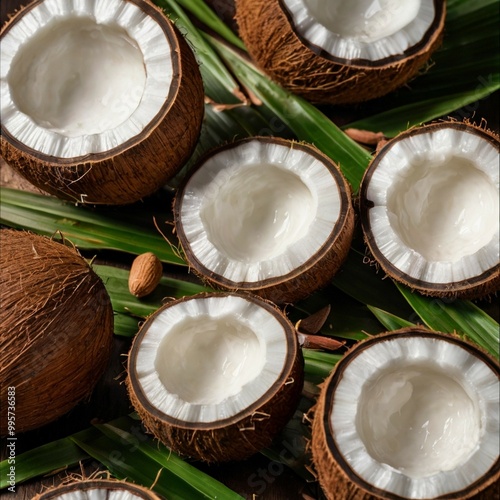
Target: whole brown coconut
<point>409,414</point>
<point>300,64</point>
<point>96,489</point>
<point>115,109</point>
<point>56,330</point>
<point>216,376</point>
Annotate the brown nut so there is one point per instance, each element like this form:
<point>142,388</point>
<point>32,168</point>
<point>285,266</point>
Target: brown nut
<point>145,274</point>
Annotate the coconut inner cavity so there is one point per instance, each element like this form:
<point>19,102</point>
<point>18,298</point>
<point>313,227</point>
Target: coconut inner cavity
<point>77,77</point>
<point>258,212</point>
<point>444,210</point>
<point>205,360</point>
<point>363,20</point>
<point>418,419</point>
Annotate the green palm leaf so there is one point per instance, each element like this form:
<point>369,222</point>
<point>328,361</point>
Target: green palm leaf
<point>126,462</point>
<point>116,282</point>
<point>390,321</point>
<point>202,11</point>
<point>129,229</point>
<point>305,120</point>
<point>128,433</point>
<point>459,316</point>
<point>464,70</point>
<point>40,461</point>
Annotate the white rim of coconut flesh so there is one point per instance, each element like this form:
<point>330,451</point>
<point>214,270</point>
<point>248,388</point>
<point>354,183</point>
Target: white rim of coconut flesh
<point>113,78</point>
<point>207,361</point>
<point>258,211</point>
<point>426,415</point>
<point>98,489</point>
<point>366,32</point>
<point>430,205</point>
<point>98,494</point>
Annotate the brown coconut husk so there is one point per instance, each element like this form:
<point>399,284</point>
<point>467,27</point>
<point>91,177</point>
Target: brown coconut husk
<point>138,167</point>
<point>478,287</point>
<point>336,478</point>
<point>56,329</point>
<point>308,71</point>
<point>315,273</point>
<point>237,437</point>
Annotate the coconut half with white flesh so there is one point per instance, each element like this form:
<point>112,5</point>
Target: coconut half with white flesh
<point>216,376</point>
<point>265,215</point>
<point>101,102</point>
<point>429,209</point>
<point>341,52</point>
<point>98,489</point>
<point>410,414</point>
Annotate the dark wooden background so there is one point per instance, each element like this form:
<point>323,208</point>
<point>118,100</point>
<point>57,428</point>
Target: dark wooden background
<point>253,478</point>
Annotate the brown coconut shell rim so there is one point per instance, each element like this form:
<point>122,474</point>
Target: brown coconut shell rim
<point>337,374</point>
<point>365,205</point>
<point>157,14</point>
<point>292,353</point>
<point>345,204</point>
<point>433,32</point>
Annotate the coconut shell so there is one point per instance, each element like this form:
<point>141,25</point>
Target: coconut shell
<point>310,72</point>
<point>104,485</point>
<point>336,478</point>
<point>315,273</point>
<point>141,165</point>
<point>473,288</point>
<point>56,329</point>
<point>234,438</point>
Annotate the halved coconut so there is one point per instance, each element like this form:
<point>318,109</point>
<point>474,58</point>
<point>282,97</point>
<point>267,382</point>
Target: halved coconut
<point>265,215</point>
<point>341,52</point>
<point>98,489</point>
<point>216,376</point>
<point>411,414</point>
<point>101,102</point>
<point>429,208</point>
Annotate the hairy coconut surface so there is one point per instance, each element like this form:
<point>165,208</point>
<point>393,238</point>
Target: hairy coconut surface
<point>429,209</point>
<point>265,215</point>
<point>271,30</point>
<point>216,376</point>
<point>56,328</point>
<point>125,92</point>
<point>98,489</point>
<point>409,414</point>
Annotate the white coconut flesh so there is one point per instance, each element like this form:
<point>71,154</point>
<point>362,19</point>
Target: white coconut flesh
<point>436,206</point>
<point>426,416</point>
<point>206,360</point>
<point>259,210</point>
<point>362,29</point>
<point>98,493</point>
<point>83,77</point>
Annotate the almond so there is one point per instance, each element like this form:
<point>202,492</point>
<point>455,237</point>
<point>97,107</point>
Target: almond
<point>145,274</point>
